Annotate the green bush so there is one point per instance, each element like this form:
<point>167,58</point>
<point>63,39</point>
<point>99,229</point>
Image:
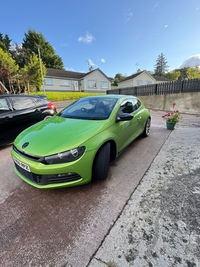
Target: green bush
<point>62,96</point>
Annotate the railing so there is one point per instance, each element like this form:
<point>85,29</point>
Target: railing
<point>185,86</point>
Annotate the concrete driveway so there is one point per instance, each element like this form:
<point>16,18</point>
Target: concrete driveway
<point>108,223</point>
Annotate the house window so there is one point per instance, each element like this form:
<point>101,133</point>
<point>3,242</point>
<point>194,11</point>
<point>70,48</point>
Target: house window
<point>139,82</point>
<point>92,84</point>
<point>48,81</point>
<point>104,85</point>
<point>148,82</point>
<point>64,82</point>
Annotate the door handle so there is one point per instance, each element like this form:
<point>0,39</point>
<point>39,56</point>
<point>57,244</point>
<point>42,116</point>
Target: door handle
<point>8,117</point>
<point>139,118</point>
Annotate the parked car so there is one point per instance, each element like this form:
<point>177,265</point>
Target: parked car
<point>17,112</point>
<point>78,143</point>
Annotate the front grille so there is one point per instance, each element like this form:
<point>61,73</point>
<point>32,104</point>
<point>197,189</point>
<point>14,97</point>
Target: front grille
<point>35,158</point>
<point>48,179</point>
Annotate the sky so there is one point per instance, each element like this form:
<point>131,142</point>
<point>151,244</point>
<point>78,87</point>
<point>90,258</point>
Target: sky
<point>116,36</point>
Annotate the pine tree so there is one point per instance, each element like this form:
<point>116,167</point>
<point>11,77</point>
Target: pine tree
<point>161,65</point>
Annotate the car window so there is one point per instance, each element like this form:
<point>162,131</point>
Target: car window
<point>3,105</point>
<point>90,108</point>
<point>136,104</point>
<point>22,103</point>
<point>40,101</point>
<point>129,106</point>
<point>126,107</point>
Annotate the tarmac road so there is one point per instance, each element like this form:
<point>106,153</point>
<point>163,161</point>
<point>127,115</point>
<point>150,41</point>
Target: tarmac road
<point>82,226</point>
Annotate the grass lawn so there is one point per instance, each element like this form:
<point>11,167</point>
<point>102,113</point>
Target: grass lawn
<point>61,96</point>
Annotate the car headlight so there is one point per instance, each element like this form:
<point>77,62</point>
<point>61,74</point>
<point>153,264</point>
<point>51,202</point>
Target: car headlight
<point>66,156</point>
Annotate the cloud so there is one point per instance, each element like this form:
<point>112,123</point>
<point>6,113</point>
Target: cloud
<point>166,26</point>
<point>192,61</point>
<point>87,39</point>
<point>156,5</point>
<point>65,45</point>
<point>91,63</point>
<point>128,15</point>
<point>103,60</point>
<point>198,8</point>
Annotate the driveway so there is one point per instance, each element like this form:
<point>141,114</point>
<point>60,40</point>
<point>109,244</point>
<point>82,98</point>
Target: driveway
<point>74,226</point>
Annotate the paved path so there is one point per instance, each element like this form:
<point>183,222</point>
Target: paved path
<point>160,225</point>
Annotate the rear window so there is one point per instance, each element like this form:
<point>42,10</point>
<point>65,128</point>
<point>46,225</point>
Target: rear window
<point>22,103</point>
<point>40,101</point>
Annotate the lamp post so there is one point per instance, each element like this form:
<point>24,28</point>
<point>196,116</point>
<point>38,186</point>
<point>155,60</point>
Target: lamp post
<point>41,71</point>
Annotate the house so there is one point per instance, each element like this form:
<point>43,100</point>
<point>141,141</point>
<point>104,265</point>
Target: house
<point>141,78</point>
<point>62,80</point>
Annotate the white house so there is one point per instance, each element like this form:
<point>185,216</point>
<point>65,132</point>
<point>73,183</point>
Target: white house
<point>62,80</point>
<point>141,78</point>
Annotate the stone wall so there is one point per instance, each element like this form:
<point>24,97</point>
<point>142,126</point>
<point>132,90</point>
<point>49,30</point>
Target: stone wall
<point>185,102</point>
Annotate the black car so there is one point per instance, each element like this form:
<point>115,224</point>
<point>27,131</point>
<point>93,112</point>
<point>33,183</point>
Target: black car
<point>17,112</point>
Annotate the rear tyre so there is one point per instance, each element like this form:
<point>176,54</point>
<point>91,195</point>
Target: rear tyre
<point>147,127</point>
<point>101,163</point>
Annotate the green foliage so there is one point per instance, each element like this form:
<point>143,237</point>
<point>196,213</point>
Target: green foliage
<point>8,69</point>
<point>33,74</point>
<point>173,75</point>
<point>34,42</point>
<point>118,78</point>
<point>161,65</point>
<point>188,73</point>
<point>5,42</point>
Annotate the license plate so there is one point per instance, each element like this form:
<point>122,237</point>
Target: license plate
<point>22,165</point>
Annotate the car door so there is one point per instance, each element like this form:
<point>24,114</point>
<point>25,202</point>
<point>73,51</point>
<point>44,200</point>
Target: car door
<point>6,114</point>
<point>128,130</point>
<point>25,113</point>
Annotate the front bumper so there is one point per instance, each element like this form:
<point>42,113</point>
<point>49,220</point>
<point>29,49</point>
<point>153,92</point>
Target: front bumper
<point>55,175</point>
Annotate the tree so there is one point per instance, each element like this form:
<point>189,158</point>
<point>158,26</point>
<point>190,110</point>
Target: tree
<point>31,75</point>
<point>173,75</point>
<point>5,42</point>
<point>161,65</point>
<point>34,42</point>
<point>118,78</point>
<point>8,69</point>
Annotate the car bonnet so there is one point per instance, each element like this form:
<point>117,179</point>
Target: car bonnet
<point>57,134</point>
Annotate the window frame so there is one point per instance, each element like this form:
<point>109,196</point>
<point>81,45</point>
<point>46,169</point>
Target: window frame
<point>92,84</point>
<point>106,83</point>
<point>47,79</point>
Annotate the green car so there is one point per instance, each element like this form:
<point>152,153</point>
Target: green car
<point>78,144</point>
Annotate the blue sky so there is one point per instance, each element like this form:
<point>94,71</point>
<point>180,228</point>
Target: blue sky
<point>117,36</point>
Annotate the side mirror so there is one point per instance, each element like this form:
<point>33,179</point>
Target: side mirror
<point>124,117</point>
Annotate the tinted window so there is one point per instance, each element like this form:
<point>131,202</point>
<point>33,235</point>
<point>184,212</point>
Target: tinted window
<point>3,105</point>
<point>40,101</point>
<point>126,107</point>
<point>129,106</point>
<point>22,103</point>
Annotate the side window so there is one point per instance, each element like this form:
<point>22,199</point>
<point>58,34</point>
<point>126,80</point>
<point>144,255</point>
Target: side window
<point>22,103</point>
<point>136,104</point>
<point>3,106</point>
<point>126,107</point>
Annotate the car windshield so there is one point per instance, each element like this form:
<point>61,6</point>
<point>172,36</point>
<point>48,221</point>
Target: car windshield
<point>93,108</point>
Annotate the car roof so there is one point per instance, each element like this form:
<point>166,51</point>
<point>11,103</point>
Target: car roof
<point>22,95</point>
<point>111,96</point>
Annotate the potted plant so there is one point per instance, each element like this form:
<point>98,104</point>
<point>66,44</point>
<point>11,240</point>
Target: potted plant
<point>172,117</point>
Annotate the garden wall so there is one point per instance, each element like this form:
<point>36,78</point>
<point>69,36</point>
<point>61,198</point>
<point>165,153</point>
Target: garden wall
<point>185,102</point>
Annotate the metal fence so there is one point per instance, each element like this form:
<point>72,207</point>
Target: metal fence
<point>185,86</point>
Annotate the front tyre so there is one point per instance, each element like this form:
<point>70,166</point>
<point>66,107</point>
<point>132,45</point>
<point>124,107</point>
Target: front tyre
<point>101,163</point>
<point>147,127</point>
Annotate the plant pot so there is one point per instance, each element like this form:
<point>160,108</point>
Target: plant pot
<point>170,125</point>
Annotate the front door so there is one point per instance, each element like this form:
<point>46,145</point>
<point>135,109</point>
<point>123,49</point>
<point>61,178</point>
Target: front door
<point>76,86</point>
